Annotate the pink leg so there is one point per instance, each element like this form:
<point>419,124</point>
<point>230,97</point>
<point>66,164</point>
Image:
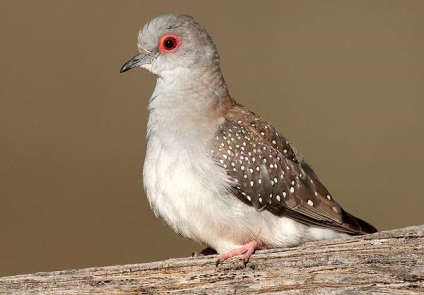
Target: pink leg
<point>247,251</point>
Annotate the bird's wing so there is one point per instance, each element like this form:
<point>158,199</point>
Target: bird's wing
<point>269,174</point>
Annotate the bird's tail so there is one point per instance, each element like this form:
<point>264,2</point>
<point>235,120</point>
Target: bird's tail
<point>357,226</point>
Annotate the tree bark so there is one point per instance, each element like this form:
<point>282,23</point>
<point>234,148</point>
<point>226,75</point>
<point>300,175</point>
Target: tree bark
<point>385,262</point>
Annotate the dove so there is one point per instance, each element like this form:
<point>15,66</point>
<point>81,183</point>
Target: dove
<point>215,171</point>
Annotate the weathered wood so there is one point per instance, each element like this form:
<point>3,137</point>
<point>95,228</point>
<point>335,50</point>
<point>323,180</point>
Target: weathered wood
<point>385,262</point>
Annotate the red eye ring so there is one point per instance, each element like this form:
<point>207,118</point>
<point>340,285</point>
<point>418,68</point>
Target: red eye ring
<point>169,43</point>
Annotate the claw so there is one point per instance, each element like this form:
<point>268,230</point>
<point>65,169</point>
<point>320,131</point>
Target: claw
<point>246,250</point>
<point>217,262</point>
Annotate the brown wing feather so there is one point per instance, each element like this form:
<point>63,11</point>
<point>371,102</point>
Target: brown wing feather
<point>269,174</point>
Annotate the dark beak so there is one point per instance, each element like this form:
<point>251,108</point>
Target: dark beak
<point>136,61</point>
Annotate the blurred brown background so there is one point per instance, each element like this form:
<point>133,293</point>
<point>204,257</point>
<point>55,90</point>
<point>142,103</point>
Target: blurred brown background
<point>343,80</point>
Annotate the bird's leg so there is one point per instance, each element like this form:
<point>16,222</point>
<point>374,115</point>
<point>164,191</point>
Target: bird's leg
<point>204,252</point>
<point>246,250</point>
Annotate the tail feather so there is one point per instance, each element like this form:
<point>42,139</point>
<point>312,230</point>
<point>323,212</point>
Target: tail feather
<point>355,225</point>
<point>351,225</point>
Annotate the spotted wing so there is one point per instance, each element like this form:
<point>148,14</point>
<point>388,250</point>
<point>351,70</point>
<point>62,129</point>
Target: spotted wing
<point>268,174</point>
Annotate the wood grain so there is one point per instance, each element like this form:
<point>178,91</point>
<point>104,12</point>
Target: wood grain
<point>385,262</point>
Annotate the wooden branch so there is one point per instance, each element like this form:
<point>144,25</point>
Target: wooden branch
<point>385,262</point>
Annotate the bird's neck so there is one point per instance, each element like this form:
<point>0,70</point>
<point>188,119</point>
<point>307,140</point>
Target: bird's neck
<point>188,105</point>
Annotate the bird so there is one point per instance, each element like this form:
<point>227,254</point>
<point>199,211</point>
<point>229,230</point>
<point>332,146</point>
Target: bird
<point>215,171</point>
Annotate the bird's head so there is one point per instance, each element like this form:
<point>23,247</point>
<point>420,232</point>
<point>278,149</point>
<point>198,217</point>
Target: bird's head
<point>170,44</point>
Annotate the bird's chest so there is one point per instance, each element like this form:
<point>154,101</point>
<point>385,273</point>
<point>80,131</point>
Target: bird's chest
<point>180,183</point>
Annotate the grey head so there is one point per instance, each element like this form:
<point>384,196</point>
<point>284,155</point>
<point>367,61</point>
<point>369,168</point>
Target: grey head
<point>173,42</point>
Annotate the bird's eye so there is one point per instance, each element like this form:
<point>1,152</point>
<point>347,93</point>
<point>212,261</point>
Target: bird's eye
<point>169,43</point>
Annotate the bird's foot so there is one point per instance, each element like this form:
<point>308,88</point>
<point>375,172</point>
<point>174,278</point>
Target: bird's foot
<point>246,250</point>
<point>204,252</point>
